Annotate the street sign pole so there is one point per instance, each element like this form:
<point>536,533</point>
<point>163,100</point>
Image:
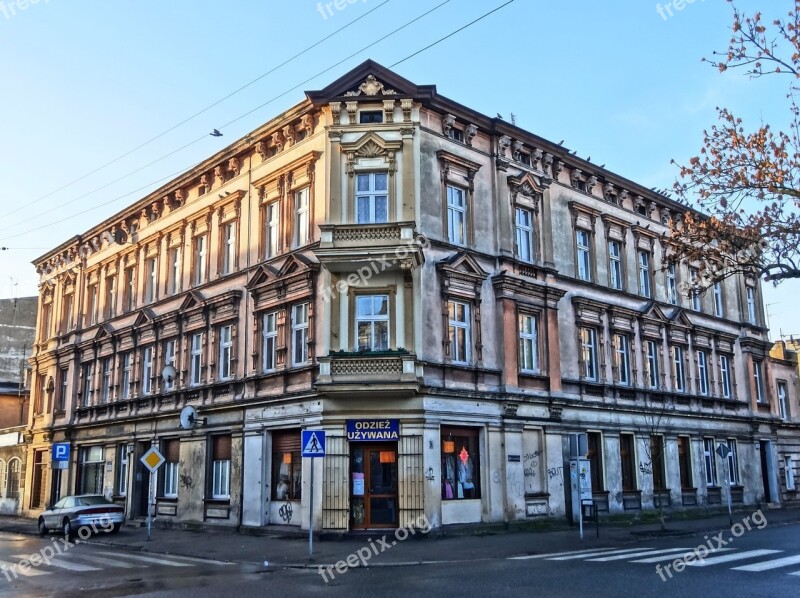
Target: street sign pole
<point>150,508</point>
<point>723,450</point>
<point>152,460</point>
<point>311,514</point>
<point>312,444</point>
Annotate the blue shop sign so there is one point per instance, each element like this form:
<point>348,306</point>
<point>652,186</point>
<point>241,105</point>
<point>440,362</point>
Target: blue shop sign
<point>373,430</point>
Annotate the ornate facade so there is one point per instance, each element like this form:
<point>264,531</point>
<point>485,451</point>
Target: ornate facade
<point>448,296</point>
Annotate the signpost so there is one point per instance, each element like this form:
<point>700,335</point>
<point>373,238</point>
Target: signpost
<point>313,444</point>
<point>60,458</point>
<point>723,451</point>
<point>152,460</point>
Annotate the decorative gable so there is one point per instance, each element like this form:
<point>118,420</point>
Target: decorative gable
<point>461,275</point>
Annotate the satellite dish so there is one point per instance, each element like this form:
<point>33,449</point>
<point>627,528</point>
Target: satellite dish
<point>188,417</point>
<point>169,373</point>
<point>120,237</point>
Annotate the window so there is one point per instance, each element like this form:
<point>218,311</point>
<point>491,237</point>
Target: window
<point>456,215</point>
<point>200,259</point>
<point>657,458</point>
<point>372,322</point>
<point>301,217</point>
<point>269,340</point>
<point>122,470</point>
<point>300,334</point>
<point>91,470</point>
<point>228,247</point>
<point>528,343</point>
<point>702,372</point>
<point>147,370</point>
<point>758,377</point>
<point>66,313</point>
<point>524,219</point>
<point>41,389</point>
<point>175,270</point>
<point>272,218</point>
<point>286,465</point>
<point>12,478</point>
<point>61,401</point>
<point>725,371</point>
<point>456,134</point>
<point>459,331</point>
<point>615,264</point>
<point>685,461</point>
<point>47,320</point>
<point>595,456</point>
<point>644,274</point>
<point>695,291</point>
<point>788,464</point>
<point>672,284</point>
<point>678,369</point>
<point>91,306</point>
<point>372,199</point>
<point>589,353</point>
<point>171,450</point>
<point>622,359</point>
<point>111,296</point>
<point>460,464</point>
<point>225,352</point>
<point>130,288</point>
<point>220,467</point>
<point>718,306</point>
<point>584,255</point>
<point>87,384</point>
<point>169,359</point>
<point>107,371</point>
<point>627,457</point>
<point>652,364</point>
<point>370,116</point>
<point>751,305</point>
<point>710,461</point>
<point>196,372</point>
<point>784,413</point>
<point>733,462</point>
<point>151,284</point>
<point>125,390</point>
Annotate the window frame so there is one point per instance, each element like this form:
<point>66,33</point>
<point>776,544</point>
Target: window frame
<point>710,462</point>
<point>151,284</point>
<point>703,387</point>
<point>286,443</point>
<point>622,358</point>
<point>170,358</point>
<point>269,341</point>
<point>758,381</point>
<point>301,233</point>
<point>627,461</point>
<point>678,368</point>
<point>225,368</point>
<point>300,334</point>
<point>196,359</point>
<point>200,259</point>
<point>87,383</point>
<point>694,292</point>
<point>528,343</point>
<point>148,355</point>
<point>464,324</point>
<point>725,376</point>
<point>653,364</point>
<point>733,463</point>
<point>121,475</point>
<point>791,481</point>
<point>719,304</point>
<point>228,247</point>
<point>583,255</point>
<point>587,336</point>
<point>451,472</point>
<point>523,234</point>
<point>752,316</point>
<point>272,230</point>
<point>782,392</point>
<point>176,270</point>
<point>672,284</point>
<point>371,194</point>
<point>220,470</point>
<point>452,210</point>
<point>615,265</point>
<point>108,375</point>
<point>373,320</point>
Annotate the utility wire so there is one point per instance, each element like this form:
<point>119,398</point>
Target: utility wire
<point>195,115</point>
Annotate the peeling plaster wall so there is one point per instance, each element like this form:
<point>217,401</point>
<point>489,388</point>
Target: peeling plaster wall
<point>17,328</point>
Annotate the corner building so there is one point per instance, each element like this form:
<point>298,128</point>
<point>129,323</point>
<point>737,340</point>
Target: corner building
<point>448,296</point>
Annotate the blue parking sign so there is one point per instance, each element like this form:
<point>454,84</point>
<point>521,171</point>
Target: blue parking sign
<point>61,451</point>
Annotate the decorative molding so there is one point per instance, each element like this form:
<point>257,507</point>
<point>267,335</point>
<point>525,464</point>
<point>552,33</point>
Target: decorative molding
<point>448,121</point>
<point>371,87</point>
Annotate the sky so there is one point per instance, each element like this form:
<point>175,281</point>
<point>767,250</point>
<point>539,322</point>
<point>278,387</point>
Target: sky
<point>85,83</point>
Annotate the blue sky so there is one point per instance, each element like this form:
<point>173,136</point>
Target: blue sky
<point>85,81</point>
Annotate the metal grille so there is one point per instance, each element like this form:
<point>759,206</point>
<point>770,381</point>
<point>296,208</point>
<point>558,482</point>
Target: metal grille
<point>335,497</point>
<point>412,478</point>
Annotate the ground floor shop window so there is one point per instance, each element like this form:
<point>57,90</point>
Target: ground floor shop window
<point>92,465</point>
<point>460,463</point>
<point>286,465</point>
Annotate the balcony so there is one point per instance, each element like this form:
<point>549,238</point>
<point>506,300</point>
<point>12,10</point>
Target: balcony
<point>387,246</point>
<point>365,374</point>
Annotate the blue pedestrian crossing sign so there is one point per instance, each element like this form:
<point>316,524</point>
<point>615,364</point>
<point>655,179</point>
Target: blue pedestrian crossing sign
<point>313,443</point>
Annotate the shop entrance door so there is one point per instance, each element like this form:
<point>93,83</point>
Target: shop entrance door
<point>373,486</point>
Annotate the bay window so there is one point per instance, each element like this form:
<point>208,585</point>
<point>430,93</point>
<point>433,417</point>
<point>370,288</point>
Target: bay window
<point>372,322</point>
<point>372,199</point>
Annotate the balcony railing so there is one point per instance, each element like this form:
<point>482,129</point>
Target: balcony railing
<point>394,244</point>
<point>368,371</point>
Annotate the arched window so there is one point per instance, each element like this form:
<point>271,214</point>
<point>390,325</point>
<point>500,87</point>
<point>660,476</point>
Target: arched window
<point>2,478</point>
<point>12,482</point>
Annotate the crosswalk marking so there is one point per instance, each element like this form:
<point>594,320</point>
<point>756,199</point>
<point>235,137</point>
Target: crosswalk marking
<point>197,559</point>
<point>109,562</point>
<point>669,557</point>
<point>619,557</point>
<point>526,557</point>
<point>148,559</point>
<point>12,570</point>
<point>60,563</point>
<point>594,553</point>
<point>737,556</point>
<point>774,564</point>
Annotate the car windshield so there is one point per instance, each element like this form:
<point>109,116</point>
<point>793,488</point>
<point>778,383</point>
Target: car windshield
<point>85,501</point>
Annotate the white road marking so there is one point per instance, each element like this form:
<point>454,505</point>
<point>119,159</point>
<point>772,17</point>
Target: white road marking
<point>12,570</point>
<point>668,557</point>
<point>774,564</point>
<point>619,557</point>
<point>580,556</point>
<point>148,559</point>
<point>738,556</point>
<point>60,563</point>
<point>197,559</point>
<point>109,562</point>
<point>549,554</point>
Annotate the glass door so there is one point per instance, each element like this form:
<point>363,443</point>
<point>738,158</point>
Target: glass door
<point>373,486</point>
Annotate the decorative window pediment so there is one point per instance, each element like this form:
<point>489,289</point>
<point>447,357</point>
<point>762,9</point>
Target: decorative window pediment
<point>293,279</point>
<point>144,318</point>
<point>462,274</point>
<point>588,312</point>
<point>583,216</point>
<point>371,146</point>
<point>528,188</point>
<point>653,321</point>
<point>192,300</point>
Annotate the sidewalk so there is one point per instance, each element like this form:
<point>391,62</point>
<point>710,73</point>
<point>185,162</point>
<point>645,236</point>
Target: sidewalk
<point>290,551</point>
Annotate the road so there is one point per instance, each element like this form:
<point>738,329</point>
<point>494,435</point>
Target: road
<point>763,562</point>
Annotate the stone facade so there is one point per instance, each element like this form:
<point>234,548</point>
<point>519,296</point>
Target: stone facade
<point>450,298</point>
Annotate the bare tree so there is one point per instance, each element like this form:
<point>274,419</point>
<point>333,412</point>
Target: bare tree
<point>654,421</point>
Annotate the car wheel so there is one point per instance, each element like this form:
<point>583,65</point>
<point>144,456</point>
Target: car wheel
<point>42,527</point>
<point>116,528</point>
<point>67,528</point>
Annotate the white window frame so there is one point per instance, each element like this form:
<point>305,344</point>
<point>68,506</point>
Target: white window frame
<point>171,469</point>
<point>615,275</point>
<point>459,354</point>
<point>584,254</point>
<point>272,226</point>
<point>147,370</point>
<point>87,383</point>
<point>372,195</point>
<point>301,217</point>
<point>710,462</point>
<point>372,319</point>
<point>788,464</point>
<point>725,375</point>
<point>652,365</point>
<point>719,307</point>
<point>529,343</point>
<point>672,284</point>
<point>758,379</point>
<point>733,462</point>
<point>221,479</point>
<point>678,368</point>
<point>751,305</point>
<point>524,234</point>
<point>300,334</point>
<point>697,303</point>
<point>588,337</point>
<point>122,473</point>
<point>151,265</point>
<point>169,359</point>
<point>125,390</point>
<point>783,390</point>
<point>645,282</point>
<point>269,341</point>
<point>702,372</point>
<point>457,215</point>
<point>200,258</point>
<point>226,352</point>
<point>622,359</point>
<point>130,290</point>
<point>108,370</point>
<point>229,248</point>
<point>196,360</point>
<point>177,273</point>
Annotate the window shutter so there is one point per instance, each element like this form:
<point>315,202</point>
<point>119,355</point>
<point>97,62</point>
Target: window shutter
<point>286,442</point>
<point>172,450</point>
<point>222,448</point>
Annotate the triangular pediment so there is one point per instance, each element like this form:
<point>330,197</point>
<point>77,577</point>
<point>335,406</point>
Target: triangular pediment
<point>144,317</point>
<point>526,184</point>
<point>371,145</point>
<point>654,312</point>
<point>368,80</point>
<point>192,299</point>
<point>263,275</point>
<point>680,318</point>
<point>464,263</point>
<point>293,264</point>
<point>103,331</point>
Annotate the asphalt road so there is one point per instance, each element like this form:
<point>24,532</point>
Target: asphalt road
<point>758,562</point>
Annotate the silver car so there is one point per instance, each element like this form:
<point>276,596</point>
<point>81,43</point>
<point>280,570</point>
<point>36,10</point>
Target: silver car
<point>71,513</point>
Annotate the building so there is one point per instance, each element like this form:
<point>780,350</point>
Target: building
<point>784,357</point>
<point>451,298</point>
